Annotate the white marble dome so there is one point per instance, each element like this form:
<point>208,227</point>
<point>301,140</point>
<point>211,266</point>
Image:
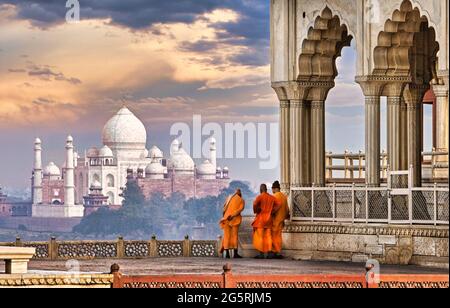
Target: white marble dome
<point>207,168</point>
<point>180,161</point>
<point>52,170</point>
<point>124,131</point>
<point>155,168</point>
<point>105,152</point>
<point>156,152</point>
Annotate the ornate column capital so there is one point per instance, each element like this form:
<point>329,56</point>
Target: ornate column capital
<point>394,89</point>
<point>370,86</point>
<point>280,90</point>
<point>414,93</point>
<point>443,77</point>
<point>373,85</point>
<point>320,91</point>
<point>440,90</point>
<point>290,90</point>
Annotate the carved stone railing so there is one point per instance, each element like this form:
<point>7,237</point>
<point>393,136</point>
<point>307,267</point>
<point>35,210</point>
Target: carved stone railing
<point>229,280</point>
<point>119,249</point>
<point>348,167</point>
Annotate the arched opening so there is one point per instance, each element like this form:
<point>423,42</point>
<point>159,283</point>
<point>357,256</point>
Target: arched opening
<point>317,74</point>
<point>406,60</point>
<point>344,111</point>
<point>95,178</point>
<point>110,180</point>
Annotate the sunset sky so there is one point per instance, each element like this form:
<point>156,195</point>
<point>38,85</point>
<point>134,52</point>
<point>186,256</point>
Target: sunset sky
<point>168,59</point>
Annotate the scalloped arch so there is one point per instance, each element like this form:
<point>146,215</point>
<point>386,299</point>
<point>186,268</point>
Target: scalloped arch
<point>407,46</point>
<point>323,45</point>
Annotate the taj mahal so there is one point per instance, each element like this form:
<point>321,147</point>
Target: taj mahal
<point>96,179</point>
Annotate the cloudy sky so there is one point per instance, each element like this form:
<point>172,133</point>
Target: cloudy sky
<point>168,59</point>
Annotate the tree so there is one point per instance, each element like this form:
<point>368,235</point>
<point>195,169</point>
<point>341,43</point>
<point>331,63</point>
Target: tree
<point>137,215</point>
<point>159,215</point>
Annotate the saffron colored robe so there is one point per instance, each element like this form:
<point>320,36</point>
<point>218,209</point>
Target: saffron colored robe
<point>278,222</point>
<point>264,207</point>
<point>231,222</point>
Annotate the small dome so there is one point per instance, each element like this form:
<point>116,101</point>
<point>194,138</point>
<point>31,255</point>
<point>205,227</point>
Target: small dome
<point>219,169</point>
<point>105,152</point>
<point>181,161</point>
<point>207,168</point>
<point>69,138</point>
<point>212,140</point>
<point>226,169</point>
<point>155,168</point>
<point>52,170</point>
<point>38,141</point>
<point>155,152</point>
<point>93,152</point>
<point>179,158</point>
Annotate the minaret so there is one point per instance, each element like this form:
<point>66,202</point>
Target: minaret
<point>37,179</point>
<point>69,187</point>
<point>213,152</point>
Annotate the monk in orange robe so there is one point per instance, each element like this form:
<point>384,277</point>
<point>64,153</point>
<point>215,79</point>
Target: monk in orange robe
<point>278,220</point>
<point>264,207</point>
<point>230,224</point>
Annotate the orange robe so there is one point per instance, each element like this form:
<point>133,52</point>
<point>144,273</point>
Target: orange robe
<point>264,207</point>
<point>232,208</point>
<point>278,222</point>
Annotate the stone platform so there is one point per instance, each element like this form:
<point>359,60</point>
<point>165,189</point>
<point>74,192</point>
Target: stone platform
<point>165,266</point>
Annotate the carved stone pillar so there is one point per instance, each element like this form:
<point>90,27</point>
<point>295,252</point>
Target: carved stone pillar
<point>442,130</point>
<point>285,149</point>
<point>297,93</point>
<point>414,99</point>
<point>308,158</point>
<point>285,138</point>
<point>404,135</point>
<point>299,146</point>
<point>394,93</point>
<point>394,132</point>
<point>372,90</point>
<point>373,168</point>
<point>317,97</point>
<point>318,142</point>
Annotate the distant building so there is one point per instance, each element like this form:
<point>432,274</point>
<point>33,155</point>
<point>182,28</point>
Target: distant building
<point>13,209</point>
<point>85,184</point>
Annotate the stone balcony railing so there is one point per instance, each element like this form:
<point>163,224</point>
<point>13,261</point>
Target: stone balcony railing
<point>119,249</point>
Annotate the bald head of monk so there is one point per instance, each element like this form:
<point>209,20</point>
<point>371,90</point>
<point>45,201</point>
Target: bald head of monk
<point>239,192</point>
<point>263,188</point>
